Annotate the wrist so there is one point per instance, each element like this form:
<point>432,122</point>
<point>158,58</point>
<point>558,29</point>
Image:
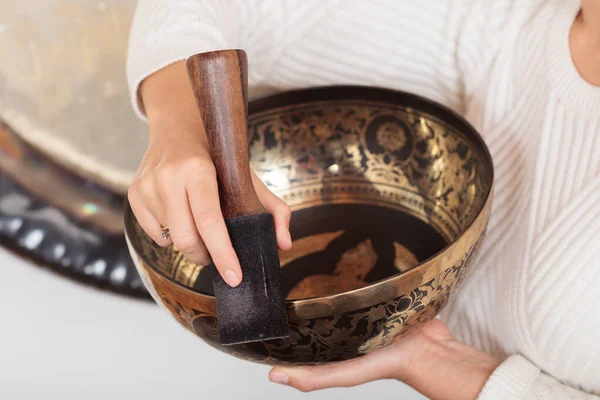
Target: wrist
<point>171,110</point>
<point>446,369</point>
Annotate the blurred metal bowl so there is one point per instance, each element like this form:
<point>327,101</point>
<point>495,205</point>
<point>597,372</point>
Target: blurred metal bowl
<point>391,195</point>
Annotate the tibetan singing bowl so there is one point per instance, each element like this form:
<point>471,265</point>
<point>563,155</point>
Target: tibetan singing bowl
<point>391,195</point>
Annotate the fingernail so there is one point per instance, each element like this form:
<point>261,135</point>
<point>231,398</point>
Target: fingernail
<point>231,278</point>
<point>279,377</point>
<point>289,237</point>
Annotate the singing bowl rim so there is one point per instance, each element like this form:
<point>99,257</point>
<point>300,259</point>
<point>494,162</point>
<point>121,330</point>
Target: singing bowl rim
<point>394,285</point>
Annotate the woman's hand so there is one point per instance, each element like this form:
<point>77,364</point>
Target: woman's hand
<point>176,184</point>
<point>430,360</point>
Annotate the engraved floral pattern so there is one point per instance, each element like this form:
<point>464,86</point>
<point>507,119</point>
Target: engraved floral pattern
<point>379,150</point>
<point>384,155</point>
<point>389,137</point>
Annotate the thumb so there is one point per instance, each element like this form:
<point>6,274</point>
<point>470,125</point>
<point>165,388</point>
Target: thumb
<point>281,212</point>
<point>378,365</point>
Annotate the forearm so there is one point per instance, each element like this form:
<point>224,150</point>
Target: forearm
<point>170,106</point>
<point>164,33</point>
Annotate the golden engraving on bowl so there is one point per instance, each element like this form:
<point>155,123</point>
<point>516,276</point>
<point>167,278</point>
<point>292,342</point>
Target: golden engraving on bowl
<point>351,269</point>
<point>307,245</point>
<point>384,155</point>
<point>390,137</point>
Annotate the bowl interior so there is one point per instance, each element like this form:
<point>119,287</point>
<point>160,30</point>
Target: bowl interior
<point>378,181</point>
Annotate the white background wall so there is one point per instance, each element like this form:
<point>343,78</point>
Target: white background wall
<point>61,340</point>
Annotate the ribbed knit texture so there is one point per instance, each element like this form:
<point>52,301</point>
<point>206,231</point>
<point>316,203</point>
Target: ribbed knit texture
<point>517,378</point>
<point>511,380</point>
<point>506,66</point>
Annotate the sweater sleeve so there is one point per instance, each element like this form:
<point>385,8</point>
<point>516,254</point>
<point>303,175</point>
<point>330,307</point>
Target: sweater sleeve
<point>440,44</point>
<point>164,32</point>
<point>518,379</point>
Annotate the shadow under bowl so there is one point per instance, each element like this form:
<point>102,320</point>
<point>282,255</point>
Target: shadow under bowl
<point>391,195</point>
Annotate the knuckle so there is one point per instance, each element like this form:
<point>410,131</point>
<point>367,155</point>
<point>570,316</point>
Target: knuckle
<point>305,385</point>
<point>165,174</point>
<point>135,186</point>
<point>202,260</point>
<point>136,195</point>
<point>208,219</point>
<point>143,187</point>
<point>192,170</point>
<point>187,243</point>
<point>198,166</point>
<point>132,194</point>
<point>201,177</point>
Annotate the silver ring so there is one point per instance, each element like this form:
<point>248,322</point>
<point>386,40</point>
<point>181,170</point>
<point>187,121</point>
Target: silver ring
<point>164,232</point>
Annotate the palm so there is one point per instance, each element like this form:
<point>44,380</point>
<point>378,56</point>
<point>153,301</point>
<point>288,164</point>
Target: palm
<point>430,360</point>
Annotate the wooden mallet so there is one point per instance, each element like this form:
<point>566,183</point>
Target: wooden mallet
<point>255,309</point>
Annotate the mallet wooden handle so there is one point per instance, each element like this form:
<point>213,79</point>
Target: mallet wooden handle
<point>254,310</point>
<point>219,80</point>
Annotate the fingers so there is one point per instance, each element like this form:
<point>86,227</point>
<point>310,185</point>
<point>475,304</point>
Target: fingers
<point>146,211</point>
<point>421,352</point>
<point>204,203</point>
<point>181,223</point>
<point>281,212</point>
<point>378,365</point>
<point>184,196</point>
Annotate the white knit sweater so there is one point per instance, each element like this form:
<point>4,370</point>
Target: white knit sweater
<point>534,296</point>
